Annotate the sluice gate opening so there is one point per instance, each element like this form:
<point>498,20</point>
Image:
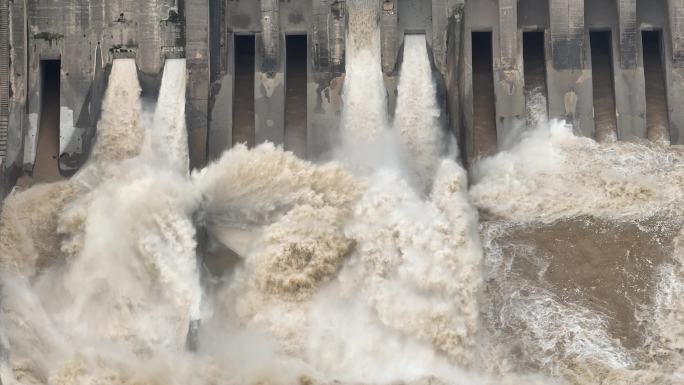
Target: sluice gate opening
<point>657,122</point>
<point>534,61</point>
<point>243,100</point>
<point>46,166</point>
<point>484,110</point>
<point>295,94</point>
<point>605,119</point>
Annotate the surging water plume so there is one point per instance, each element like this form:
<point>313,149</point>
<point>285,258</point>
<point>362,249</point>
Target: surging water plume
<point>365,99</point>
<point>168,136</point>
<point>120,266</point>
<point>553,174</point>
<point>417,117</point>
<point>119,133</point>
<point>581,256</point>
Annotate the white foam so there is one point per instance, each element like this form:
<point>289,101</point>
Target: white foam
<point>417,113</point>
<point>169,135</point>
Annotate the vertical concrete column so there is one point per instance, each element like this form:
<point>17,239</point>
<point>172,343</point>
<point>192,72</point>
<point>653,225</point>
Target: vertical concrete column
<point>629,32</point>
<point>270,36</point>
<point>5,26</point>
<point>222,70</point>
<point>442,11</point>
<point>675,89</point>
<point>269,87</point>
<point>336,35</point>
<point>453,63</point>
<point>328,35</point>
<point>148,56</point>
<point>508,78</point>
<point>508,34</point>
<point>630,95</point>
<point>676,10</point>
<point>17,119</point>
<point>389,36</point>
<point>197,93</point>
<point>76,96</point>
<point>569,78</point>
<point>326,55</point>
<point>390,42</point>
<point>4,79</point>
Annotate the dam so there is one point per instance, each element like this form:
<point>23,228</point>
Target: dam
<point>317,192</point>
<point>274,70</point>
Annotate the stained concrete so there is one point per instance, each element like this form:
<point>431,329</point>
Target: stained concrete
<point>86,35</point>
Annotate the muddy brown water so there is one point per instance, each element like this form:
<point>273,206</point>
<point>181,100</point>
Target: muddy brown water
<point>604,266</point>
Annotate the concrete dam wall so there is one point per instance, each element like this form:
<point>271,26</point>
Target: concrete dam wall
<point>269,70</point>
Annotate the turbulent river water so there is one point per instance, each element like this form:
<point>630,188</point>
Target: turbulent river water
<point>559,260</point>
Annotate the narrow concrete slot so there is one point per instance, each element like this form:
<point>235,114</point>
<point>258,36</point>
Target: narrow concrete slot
<point>243,99</point>
<point>295,95</point>
<point>484,111</point>
<point>605,120</point>
<point>534,60</point>
<point>46,166</point>
<point>657,122</point>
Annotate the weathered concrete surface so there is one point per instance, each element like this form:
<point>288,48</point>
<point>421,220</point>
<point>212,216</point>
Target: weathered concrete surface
<point>508,73</point>
<point>325,76</point>
<point>221,61</point>
<point>568,72</point>
<point>629,76</point>
<point>87,34</point>
<point>269,87</point>
<point>444,14</point>
<point>478,16</point>
<point>4,75</point>
<point>653,15</point>
<point>17,120</point>
<point>675,70</point>
<point>324,21</point>
<point>391,39</point>
<point>197,92</point>
<point>4,86</point>
<point>454,75</point>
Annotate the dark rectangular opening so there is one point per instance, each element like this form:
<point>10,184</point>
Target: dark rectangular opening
<point>295,94</point>
<point>534,61</point>
<point>484,110</point>
<point>46,166</point>
<point>243,95</point>
<point>657,122</point>
<point>605,120</point>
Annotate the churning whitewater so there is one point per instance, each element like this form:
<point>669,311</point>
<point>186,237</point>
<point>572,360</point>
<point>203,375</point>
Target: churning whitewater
<point>561,263</point>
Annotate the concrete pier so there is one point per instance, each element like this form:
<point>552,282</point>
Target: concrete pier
<point>629,84</point>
